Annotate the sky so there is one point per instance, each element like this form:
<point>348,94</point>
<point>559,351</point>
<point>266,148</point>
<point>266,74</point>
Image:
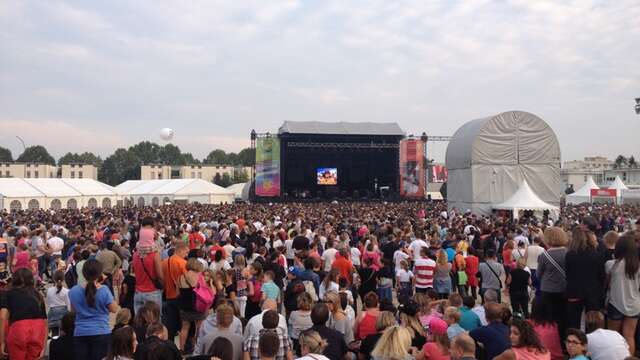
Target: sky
<point>97,75</point>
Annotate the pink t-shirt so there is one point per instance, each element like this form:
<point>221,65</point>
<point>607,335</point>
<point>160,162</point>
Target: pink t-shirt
<point>22,260</point>
<point>550,339</point>
<point>432,352</point>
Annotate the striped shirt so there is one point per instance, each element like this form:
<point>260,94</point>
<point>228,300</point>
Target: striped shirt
<point>423,270</point>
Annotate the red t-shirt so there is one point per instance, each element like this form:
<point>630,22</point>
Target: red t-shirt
<point>432,352</point>
<point>214,249</point>
<point>143,281</point>
<point>195,240</point>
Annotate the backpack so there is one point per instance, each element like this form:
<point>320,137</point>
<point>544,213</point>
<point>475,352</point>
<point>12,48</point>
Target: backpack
<point>203,296</point>
<point>310,289</point>
<point>71,277</point>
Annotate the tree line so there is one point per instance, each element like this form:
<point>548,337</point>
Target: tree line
<point>124,164</point>
<point>622,162</point>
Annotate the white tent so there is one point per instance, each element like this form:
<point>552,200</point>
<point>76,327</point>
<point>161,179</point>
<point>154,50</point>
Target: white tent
<point>525,199</point>
<point>488,158</point>
<point>157,192</point>
<point>51,193</point>
<point>583,194</point>
<point>240,190</point>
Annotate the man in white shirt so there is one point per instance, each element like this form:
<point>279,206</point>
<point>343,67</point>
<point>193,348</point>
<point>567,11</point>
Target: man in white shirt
<point>416,246</point>
<point>54,249</point>
<point>399,255</point>
<point>521,238</point>
<point>255,323</point>
<point>329,255</point>
<point>291,255</point>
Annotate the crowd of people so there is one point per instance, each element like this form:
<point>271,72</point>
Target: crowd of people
<point>318,281</point>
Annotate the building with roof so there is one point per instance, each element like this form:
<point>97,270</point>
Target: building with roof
<point>205,172</point>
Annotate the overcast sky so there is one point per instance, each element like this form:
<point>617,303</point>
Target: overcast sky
<point>97,75</point>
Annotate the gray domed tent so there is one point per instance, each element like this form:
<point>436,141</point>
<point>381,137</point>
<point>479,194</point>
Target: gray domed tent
<point>487,160</point>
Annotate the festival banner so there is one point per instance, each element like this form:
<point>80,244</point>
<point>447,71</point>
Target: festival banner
<point>439,174</point>
<point>268,167</point>
<point>412,168</point>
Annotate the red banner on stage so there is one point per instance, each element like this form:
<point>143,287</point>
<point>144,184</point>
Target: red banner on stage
<point>412,175</point>
<point>604,192</point>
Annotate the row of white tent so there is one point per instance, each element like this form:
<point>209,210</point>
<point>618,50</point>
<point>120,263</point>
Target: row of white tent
<point>19,193</point>
<point>623,193</point>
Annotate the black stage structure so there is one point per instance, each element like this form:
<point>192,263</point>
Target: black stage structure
<point>365,155</point>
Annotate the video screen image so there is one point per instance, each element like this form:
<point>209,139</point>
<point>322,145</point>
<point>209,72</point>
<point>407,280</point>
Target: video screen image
<point>327,176</point>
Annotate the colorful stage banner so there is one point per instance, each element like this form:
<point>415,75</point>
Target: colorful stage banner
<point>268,167</point>
<point>439,174</point>
<point>412,168</point>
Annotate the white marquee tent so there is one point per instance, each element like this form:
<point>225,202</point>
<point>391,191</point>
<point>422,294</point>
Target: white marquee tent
<point>158,192</point>
<point>526,199</point>
<point>240,190</point>
<point>583,194</point>
<point>487,159</point>
<point>47,193</point>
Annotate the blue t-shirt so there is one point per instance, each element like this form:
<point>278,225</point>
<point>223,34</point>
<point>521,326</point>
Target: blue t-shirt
<point>451,254</point>
<point>494,337</point>
<point>468,319</point>
<point>91,320</point>
<point>271,290</point>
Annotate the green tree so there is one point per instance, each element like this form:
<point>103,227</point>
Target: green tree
<point>247,157</point>
<point>84,158</point>
<point>632,162</point>
<point>216,157</point>
<point>232,159</point>
<point>147,152</point>
<point>36,154</point>
<point>225,180</point>
<point>5,155</point>
<point>119,167</point>
<point>241,176</point>
<point>189,159</point>
<point>171,155</point>
<point>620,162</point>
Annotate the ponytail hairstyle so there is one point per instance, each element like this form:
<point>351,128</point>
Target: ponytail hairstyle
<point>92,270</point>
<point>58,279</point>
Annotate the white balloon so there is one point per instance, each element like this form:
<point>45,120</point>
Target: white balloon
<point>166,134</point>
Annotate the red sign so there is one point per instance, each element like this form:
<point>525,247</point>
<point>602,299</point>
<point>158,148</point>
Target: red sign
<point>604,192</point>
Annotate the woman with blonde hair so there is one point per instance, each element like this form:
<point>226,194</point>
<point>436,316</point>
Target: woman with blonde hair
<point>442,277</point>
<point>552,275</point>
<point>186,285</point>
<point>239,264</point>
<point>394,344</point>
<point>384,321</point>
<point>300,319</point>
<point>338,317</point>
<point>408,319</point>
<point>312,345</point>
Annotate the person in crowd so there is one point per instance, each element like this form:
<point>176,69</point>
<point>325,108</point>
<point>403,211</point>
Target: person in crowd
<point>312,345</point>
<point>604,344</point>
<point>188,313</point>
<point>577,344</point>
<point>337,347</point>
<point>552,275</point>
<point>23,320</point>
<point>394,344</point>
<point>147,267</point>
<point>172,269</point>
<point>123,344</point>
<point>224,314</point>
<point>469,320</point>
<point>585,276</point>
<point>472,266</point>
<point>442,275</point>
<point>221,348</point>
<point>58,301</point>
<point>365,323</point>
<point>525,343</point>
<point>623,309</point>
<point>300,320</point>
<point>61,348</point>
<point>437,348</point>
<point>404,281</point>
<point>329,283</point>
<point>531,255</point>
<point>111,262</point>
<point>269,289</point>
<point>606,248</point>
<point>452,317</point>
<point>338,318</point>
<point>518,282</point>
<point>270,320</point>
<point>254,325</point>
<point>495,336</point>
<point>156,346</point>
<point>384,321</point>
<point>254,292</point>
<point>123,318</point>
<point>148,314</point>
<point>92,304</point>
<point>408,318</point>
<point>491,273</point>
<point>546,327</point>
<point>269,346</point>
<point>463,348</point>
<point>424,270</point>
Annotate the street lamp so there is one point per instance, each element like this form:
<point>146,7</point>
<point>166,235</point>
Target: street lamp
<point>24,147</point>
